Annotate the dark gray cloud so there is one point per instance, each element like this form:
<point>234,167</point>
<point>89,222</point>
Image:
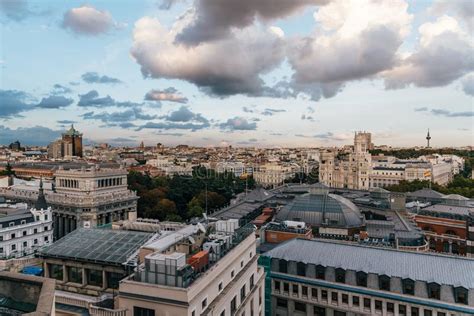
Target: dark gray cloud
<point>37,135</point>
<point>16,10</point>
<point>60,89</point>
<point>170,134</point>
<point>168,94</point>
<point>215,19</point>
<point>94,77</point>
<point>306,117</point>
<point>122,119</point>
<point>270,112</point>
<point>421,109</point>
<point>184,114</point>
<point>248,109</point>
<point>14,102</point>
<point>238,124</point>
<point>55,102</point>
<point>92,99</point>
<point>66,122</point>
<point>447,113</point>
<point>173,125</point>
<point>87,20</point>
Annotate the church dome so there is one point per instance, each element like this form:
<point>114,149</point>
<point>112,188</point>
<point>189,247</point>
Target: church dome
<point>322,209</point>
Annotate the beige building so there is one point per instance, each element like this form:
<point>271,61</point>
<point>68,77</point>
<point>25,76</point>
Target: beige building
<point>350,170</point>
<point>230,284</point>
<point>272,174</point>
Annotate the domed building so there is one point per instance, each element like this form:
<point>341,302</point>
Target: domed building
<point>331,214</point>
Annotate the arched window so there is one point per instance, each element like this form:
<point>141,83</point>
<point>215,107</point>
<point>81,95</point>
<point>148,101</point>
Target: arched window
<point>428,229</point>
<point>340,275</point>
<point>320,272</point>
<point>361,278</point>
<point>461,295</point>
<point>301,269</point>
<point>384,282</point>
<point>451,232</point>
<point>434,290</point>
<point>408,286</point>
<point>283,266</point>
<point>455,248</point>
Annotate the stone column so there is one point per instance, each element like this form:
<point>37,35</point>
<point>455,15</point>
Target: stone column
<point>450,249</point>
<point>84,276</point>
<point>65,278</point>
<point>104,280</point>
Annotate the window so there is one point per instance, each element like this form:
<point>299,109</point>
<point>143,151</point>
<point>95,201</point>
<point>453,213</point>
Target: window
<point>193,313</point>
<point>320,272</point>
<point>204,303</point>
<point>319,311</point>
<point>35,231</point>
<point>378,305</point>
<point>339,313</point>
<point>324,295</point>
<point>282,266</point>
<point>340,275</point>
<point>345,299</point>
<point>294,289</point>
<point>384,283</point>
<point>1,249</point>
<point>355,301</point>
<point>390,307</point>
<point>460,295</point>
<point>300,307</point>
<point>415,311</point>
<point>434,291</point>
<point>233,305</point>
<point>441,314</point>
<point>222,313</point>
<point>23,222</point>
<point>242,293</point>
<point>314,293</point>
<point>301,269</point>
<point>252,283</point>
<point>408,286</point>
<point>334,297</point>
<point>282,303</point>
<point>140,311</point>
<point>1,238</point>
<point>361,278</point>
<point>12,236</point>
<point>95,277</point>
<point>13,247</point>
<point>74,274</point>
<point>56,271</point>
<point>402,310</point>
<point>25,244</point>
<point>367,303</point>
<point>220,286</point>
<point>45,238</point>
<point>232,273</point>
<point>242,264</point>
<point>304,291</point>
<point>276,286</point>
<point>427,312</point>
<point>286,287</point>
<point>35,241</point>
<point>24,233</point>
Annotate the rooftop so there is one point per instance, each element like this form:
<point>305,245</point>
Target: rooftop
<point>417,266</point>
<point>97,245</point>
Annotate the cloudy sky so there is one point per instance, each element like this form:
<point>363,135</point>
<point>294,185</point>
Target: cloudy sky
<point>240,72</point>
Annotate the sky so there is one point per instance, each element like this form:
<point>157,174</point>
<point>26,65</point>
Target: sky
<point>263,73</point>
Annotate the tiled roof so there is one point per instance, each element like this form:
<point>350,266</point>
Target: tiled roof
<point>442,269</point>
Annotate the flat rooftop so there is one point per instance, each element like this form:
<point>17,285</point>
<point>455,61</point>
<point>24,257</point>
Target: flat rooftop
<point>417,266</point>
<point>97,245</point>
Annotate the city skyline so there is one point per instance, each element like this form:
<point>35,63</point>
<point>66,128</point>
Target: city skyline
<point>301,73</point>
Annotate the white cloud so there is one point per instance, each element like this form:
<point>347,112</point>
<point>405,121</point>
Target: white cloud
<point>444,54</point>
<point>87,20</point>
<point>222,67</point>
<point>349,45</point>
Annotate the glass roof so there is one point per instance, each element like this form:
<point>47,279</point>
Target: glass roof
<point>97,245</point>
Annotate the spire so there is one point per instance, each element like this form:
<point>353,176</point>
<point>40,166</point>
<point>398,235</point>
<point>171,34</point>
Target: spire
<point>428,138</point>
<point>41,201</point>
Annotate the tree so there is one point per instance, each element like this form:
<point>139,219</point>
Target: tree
<point>8,171</point>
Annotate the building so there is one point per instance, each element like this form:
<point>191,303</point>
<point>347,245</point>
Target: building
<point>319,277</point>
<point>328,214</point>
<point>222,281</point>
<point>70,145</point>
<point>23,231</point>
<point>92,261</point>
<point>445,226</point>
<point>26,295</point>
<point>275,232</point>
<point>272,174</point>
<point>86,197</point>
<point>15,146</point>
<point>350,170</point>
